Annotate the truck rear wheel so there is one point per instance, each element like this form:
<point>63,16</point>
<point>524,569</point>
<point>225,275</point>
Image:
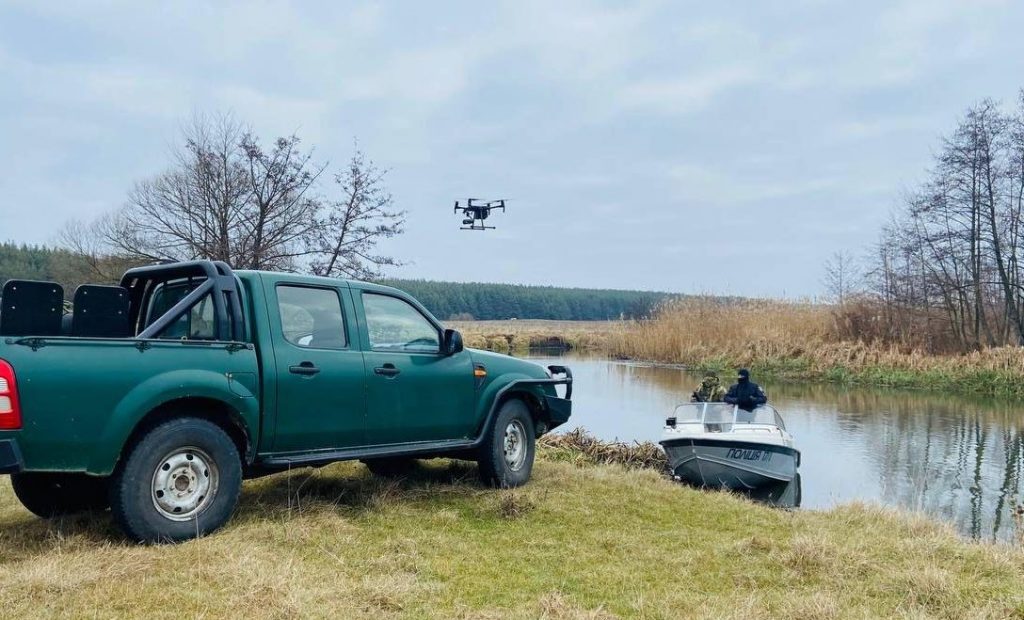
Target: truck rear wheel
<point>53,494</point>
<point>181,480</point>
<point>506,456</point>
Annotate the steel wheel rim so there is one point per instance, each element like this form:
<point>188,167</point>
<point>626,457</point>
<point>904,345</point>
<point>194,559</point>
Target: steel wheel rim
<point>184,483</point>
<point>515,445</point>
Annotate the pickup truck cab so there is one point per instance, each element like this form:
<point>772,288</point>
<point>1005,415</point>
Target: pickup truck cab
<point>158,396</point>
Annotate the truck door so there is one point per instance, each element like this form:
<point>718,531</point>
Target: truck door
<point>321,399</point>
<point>414,392</point>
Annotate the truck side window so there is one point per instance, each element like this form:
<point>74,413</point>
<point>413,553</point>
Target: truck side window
<point>395,325</point>
<point>311,317</point>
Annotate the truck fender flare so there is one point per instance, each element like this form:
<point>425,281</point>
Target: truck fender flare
<point>525,385</point>
<point>158,391</point>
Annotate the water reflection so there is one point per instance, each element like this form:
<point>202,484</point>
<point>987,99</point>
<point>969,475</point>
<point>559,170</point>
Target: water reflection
<point>956,458</point>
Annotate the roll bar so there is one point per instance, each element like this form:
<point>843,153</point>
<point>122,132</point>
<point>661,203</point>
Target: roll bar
<point>219,280</point>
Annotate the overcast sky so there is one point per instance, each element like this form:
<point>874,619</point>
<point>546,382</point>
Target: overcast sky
<point>681,146</point>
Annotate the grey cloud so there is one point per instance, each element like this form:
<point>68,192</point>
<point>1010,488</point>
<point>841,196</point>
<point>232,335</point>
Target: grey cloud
<point>677,146</point>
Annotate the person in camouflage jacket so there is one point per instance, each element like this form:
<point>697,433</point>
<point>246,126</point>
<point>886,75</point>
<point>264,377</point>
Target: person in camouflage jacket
<point>709,391</point>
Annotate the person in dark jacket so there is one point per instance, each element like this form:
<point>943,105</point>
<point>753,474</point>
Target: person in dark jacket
<point>745,393</point>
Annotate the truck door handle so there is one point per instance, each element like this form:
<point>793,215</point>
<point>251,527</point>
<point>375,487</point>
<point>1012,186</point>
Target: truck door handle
<point>305,368</point>
<point>387,370</point>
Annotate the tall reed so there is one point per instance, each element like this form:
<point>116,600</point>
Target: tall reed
<point>801,340</point>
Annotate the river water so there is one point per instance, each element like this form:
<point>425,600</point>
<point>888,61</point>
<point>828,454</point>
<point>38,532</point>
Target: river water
<point>955,458</point>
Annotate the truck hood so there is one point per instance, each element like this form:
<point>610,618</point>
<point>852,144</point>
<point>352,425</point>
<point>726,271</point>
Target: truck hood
<point>498,363</point>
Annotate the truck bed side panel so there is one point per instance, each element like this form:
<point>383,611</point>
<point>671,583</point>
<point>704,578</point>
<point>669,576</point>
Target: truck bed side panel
<point>82,397</point>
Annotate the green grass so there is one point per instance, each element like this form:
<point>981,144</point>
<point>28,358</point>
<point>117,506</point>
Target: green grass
<point>580,541</point>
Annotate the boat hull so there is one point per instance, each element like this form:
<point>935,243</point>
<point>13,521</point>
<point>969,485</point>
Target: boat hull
<point>738,465</point>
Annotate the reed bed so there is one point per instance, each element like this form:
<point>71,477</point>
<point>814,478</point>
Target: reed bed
<point>520,336</point>
<point>799,340</point>
<point>580,447</point>
<point>700,329</point>
<point>790,340</point>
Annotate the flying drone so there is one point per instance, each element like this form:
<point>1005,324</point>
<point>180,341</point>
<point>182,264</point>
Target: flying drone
<point>476,211</point>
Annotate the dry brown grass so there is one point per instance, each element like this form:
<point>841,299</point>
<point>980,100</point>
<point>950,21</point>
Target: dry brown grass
<point>600,541</point>
<point>518,336</point>
<point>705,328</point>
<point>799,340</point>
<point>784,339</point>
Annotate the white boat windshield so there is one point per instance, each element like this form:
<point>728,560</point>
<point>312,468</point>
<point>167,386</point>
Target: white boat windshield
<point>724,413</point>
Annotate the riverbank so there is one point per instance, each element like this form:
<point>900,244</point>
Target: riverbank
<point>582,540</point>
<point>779,341</point>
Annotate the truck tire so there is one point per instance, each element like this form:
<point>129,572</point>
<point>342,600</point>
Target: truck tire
<point>181,480</point>
<point>391,467</point>
<point>506,456</point>
<point>54,494</point>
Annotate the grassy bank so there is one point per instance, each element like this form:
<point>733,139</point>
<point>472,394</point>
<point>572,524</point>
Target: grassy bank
<point>780,340</point>
<point>583,540</point>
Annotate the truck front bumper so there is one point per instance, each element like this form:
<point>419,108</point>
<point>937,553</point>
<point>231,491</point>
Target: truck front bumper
<point>10,457</point>
<point>559,409</point>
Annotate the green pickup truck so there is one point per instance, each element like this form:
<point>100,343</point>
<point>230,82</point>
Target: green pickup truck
<point>156,398</point>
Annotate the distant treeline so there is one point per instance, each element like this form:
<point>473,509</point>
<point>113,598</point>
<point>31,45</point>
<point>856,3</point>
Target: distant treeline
<point>24,261</point>
<point>446,300</point>
<point>28,262</point>
<point>33,262</point>
<point>482,301</point>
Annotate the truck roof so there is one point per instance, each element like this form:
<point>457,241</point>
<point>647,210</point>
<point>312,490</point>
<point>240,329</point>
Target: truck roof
<point>277,276</point>
<point>321,280</point>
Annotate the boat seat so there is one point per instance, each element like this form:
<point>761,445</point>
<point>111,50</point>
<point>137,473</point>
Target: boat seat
<point>31,308</point>
<point>100,312</point>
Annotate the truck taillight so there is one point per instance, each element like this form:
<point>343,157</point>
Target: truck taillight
<point>10,410</point>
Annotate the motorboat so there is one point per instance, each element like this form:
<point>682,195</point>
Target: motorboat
<point>720,445</point>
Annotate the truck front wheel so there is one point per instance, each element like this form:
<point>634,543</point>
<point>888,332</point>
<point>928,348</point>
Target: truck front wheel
<point>53,494</point>
<point>181,480</point>
<point>506,455</point>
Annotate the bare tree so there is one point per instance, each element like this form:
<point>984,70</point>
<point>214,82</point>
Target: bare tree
<point>282,211</point>
<point>952,268</point>
<point>842,276</point>
<point>226,197</point>
<point>349,230</point>
<point>196,208</point>
<point>91,260</point>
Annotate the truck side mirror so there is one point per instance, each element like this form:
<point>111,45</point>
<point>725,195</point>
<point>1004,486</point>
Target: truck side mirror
<point>452,342</point>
